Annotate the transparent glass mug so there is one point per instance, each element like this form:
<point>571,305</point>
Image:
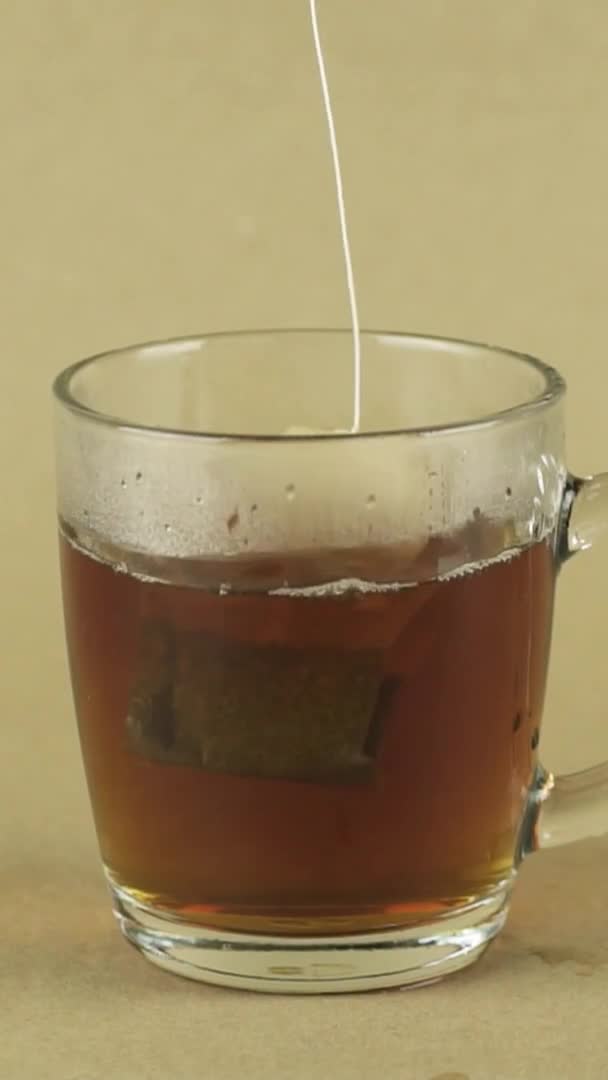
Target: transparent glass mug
<point>308,665</point>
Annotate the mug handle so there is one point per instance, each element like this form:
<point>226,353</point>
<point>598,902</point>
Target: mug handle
<point>571,807</point>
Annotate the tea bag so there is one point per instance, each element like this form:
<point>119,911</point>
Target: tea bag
<point>267,711</point>
<point>150,718</point>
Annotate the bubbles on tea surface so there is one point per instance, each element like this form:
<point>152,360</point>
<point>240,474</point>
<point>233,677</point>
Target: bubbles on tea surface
<point>339,588</point>
<point>290,492</point>
<point>224,589</point>
<point>481,564</point>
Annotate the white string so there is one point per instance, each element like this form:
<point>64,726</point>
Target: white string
<point>350,281</point>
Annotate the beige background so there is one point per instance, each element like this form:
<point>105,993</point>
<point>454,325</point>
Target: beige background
<point>165,170</point>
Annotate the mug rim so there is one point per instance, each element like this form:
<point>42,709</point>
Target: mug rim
<point>553,389</point>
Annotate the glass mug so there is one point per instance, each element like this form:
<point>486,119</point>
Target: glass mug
<point>308,665</point>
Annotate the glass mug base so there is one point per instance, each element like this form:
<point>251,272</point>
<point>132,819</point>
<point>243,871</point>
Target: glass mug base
<point>328,964</point>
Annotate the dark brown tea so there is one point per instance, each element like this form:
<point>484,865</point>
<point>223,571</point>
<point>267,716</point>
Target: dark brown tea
<point>302,751</point>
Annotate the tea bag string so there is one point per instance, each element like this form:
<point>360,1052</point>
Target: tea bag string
<point>350,281</point>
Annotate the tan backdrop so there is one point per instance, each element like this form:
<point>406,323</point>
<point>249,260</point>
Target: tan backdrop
<point>165,170</point>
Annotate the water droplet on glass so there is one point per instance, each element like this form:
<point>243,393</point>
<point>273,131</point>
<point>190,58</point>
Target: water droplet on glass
<point>168,528</point>
<point>138,477</point>
<point>370,502</point>
<point>290,492</point>
<point>123,483</point>
<point>199,500</point>
<point>254,508</point>
<point>85,513</point>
